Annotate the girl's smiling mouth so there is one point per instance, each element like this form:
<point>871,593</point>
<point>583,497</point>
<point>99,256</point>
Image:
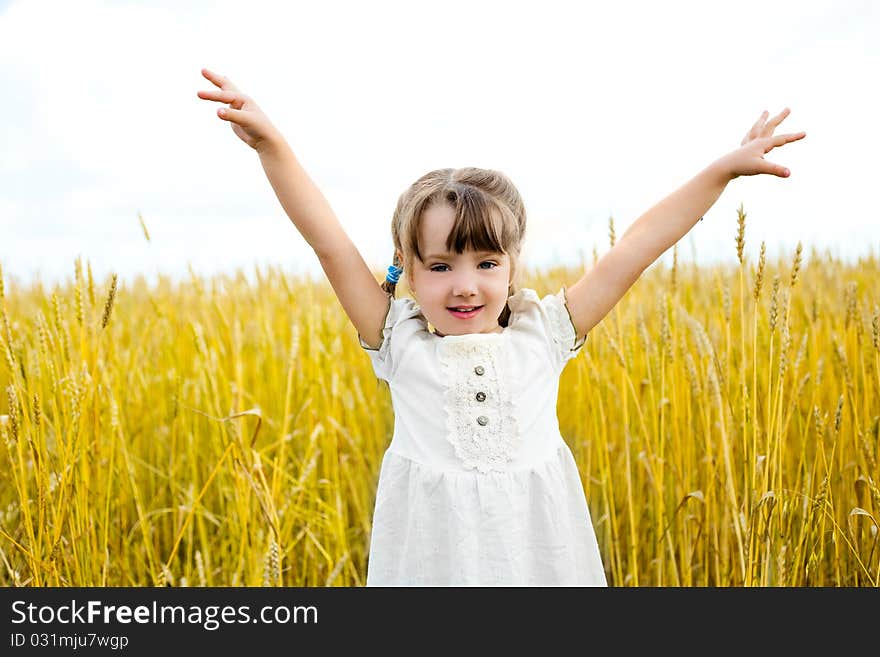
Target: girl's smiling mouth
<point>464,314</point>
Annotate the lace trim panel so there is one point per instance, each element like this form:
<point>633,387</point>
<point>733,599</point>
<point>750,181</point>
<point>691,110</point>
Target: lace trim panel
<point>484,433</point>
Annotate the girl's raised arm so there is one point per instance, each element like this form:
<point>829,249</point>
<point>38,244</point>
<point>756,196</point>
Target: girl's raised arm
<point>600,288</point>
<point>361,296</point>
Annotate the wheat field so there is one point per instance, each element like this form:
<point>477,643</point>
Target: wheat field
<point>225,433</point>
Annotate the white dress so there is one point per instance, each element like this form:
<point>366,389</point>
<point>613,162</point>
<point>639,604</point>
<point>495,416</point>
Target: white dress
<point>477,487</point>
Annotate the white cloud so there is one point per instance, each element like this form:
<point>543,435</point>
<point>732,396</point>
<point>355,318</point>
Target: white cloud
<point>593,109</point>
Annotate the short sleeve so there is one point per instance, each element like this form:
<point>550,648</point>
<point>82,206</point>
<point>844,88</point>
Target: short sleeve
<point>550,317</point>
<point>402,321</point>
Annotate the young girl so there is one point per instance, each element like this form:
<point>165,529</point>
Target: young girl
<point>477,486</point>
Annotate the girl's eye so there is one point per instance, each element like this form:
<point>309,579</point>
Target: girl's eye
<point>487,262</point>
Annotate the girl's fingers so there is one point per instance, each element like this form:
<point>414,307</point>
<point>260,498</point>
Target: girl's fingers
<point>755,130</point>
<point>219,80</point>
<point>763,166</point>
<point>779,170</point>
<point>234,116</point>
<point>760,121</point>
<point>779,118</point>
<point>210,75</point>
<point>779,140</point>
<point>220,96</point>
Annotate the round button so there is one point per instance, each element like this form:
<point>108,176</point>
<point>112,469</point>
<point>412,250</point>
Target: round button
<point>481,396</point>
<point>482,420</point>
<point>480,370</point>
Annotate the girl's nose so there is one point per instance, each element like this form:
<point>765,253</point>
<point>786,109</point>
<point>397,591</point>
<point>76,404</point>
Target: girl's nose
<point>464,287</point>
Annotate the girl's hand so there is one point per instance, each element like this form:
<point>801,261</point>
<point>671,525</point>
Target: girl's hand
<point>247,119</point>
<point>749,159</point>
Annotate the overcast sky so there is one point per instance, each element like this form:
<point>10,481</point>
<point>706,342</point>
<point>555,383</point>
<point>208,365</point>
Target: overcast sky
<point>594,109</point>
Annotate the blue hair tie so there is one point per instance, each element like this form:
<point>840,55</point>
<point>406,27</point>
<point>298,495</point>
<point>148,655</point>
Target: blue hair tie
<point>393,274</point>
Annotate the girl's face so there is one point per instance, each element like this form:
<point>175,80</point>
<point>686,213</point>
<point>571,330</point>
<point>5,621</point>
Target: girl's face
<point>444,281</point>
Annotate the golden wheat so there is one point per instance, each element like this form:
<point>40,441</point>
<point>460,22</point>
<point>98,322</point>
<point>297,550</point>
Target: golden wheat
<point>219,432</point>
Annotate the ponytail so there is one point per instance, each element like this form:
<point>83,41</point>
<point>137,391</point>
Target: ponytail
<point>390,282</point>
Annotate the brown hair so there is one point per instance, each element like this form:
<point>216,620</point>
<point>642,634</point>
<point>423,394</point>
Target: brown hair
<point>489,215</point>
